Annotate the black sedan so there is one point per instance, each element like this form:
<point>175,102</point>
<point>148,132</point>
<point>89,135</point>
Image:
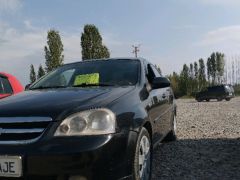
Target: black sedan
<point>96,119</point>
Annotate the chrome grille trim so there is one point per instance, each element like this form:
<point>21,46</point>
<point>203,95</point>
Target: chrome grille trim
<point>19,131</point>
<point>22,130</point>
<point>19,142</point>
<point>24,119</point>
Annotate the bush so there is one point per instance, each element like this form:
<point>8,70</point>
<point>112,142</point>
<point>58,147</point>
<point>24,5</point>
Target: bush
<point>237,89</point>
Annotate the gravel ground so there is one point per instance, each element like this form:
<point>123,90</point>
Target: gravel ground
<point>208,145</point>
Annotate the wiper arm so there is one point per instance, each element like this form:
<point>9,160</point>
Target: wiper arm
<point>47,87</point>
<point>88,85</point>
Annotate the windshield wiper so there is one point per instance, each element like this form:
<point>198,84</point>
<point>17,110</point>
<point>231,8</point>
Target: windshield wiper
<point>47,87</point>
<point>88,85</point>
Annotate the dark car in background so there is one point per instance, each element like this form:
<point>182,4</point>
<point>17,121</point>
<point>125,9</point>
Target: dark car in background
<point>97,119</point>
<point>219,93</point>
<point>9,85</point>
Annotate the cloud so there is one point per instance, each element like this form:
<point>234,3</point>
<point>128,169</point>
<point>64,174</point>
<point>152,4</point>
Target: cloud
<point>230,34</point>
<point>221,2</point>
<point>10,5</point>
<point>224,39</point>
<point>20,48</point>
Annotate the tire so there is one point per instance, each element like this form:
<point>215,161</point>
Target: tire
<point>172,134</point>
<point>228,99</point>
<point>142,165</point>
<point>207,100</point>
<point>199,100</point>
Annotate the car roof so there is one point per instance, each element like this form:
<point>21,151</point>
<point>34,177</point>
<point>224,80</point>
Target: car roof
<point>104,59</point>
<point>5,75</point>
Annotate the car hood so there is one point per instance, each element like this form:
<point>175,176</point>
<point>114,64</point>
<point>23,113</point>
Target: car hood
<point>56,102</point>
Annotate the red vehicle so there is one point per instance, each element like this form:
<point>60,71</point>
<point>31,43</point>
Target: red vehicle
<point>9,85</point>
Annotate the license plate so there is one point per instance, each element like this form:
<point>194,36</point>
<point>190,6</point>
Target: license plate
<point>230,94</point>
<point>10,166</point>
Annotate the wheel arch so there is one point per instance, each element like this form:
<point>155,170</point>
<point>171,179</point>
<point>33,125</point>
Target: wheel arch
<point>147,125</point>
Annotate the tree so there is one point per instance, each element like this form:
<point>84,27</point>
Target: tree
<point>191,78</point>
<point>196,73</point>
<point>41,72</point>
<point>184,80</point>
<point>91,43</point>
<point>213,66</point>
<point>202,75</point>
<point>174,79</point>
<point>54,51</point>
<point>32,74</point>
<point>105,52</point>
<point>220,64</point>
<point>209,69</point>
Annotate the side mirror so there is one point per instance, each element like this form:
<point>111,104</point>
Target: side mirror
<point>27,87</point>
<point>160,82</point>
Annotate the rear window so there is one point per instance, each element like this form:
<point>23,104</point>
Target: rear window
<point>216,89</point>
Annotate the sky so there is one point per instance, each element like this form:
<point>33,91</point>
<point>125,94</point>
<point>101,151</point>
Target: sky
<point>170,33</point>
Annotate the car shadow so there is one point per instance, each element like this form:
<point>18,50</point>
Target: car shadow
<point>197,159</point>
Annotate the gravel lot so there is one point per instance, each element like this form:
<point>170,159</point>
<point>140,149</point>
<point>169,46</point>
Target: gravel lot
<point>208,145</point>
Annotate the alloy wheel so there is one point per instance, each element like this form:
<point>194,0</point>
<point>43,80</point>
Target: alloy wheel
<point>144,158</point>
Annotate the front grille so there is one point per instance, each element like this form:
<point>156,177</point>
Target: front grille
<point>22,130</point>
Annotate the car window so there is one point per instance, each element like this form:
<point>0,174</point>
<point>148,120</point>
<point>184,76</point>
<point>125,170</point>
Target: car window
<point>150,73</point>
<point>112,72</point>
<point>5,86</point>
<point>155,71</point>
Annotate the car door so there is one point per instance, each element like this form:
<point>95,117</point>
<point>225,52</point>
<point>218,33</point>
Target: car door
<point>159,105</point>
<point>5,88</point>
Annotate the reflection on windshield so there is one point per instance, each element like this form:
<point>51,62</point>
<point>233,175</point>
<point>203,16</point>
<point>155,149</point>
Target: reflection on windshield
<point>92,73</point>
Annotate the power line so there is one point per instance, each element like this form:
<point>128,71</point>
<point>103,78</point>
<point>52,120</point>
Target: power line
<point>136,50</point>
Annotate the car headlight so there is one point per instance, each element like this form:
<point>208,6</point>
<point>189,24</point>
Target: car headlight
<point>90,122</point>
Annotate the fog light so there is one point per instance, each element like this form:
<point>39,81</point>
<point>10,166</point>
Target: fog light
<point>77,178</point>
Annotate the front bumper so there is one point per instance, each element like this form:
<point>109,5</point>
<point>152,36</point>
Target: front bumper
<point>90,157</point>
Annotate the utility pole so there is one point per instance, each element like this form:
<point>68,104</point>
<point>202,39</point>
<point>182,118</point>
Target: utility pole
<point>136,50</point>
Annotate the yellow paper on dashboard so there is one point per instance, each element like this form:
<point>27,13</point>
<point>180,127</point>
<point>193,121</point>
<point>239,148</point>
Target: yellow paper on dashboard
<point>87,79</point>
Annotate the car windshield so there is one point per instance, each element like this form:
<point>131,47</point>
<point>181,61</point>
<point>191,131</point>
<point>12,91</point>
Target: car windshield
<point>92,73</point>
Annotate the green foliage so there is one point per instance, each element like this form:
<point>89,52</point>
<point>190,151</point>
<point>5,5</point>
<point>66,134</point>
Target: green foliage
<point>192,78</point>
<point>202,82</point>
<point>237,90</point>
<point>184,80</point>
<point>54,51</point>
<point>41,72</point>
<point>174,78</point>
<point>91,43</point>
<point>213,68</point>
<point>220,63</point>
<point>196,77</point>
<point>32,74</point>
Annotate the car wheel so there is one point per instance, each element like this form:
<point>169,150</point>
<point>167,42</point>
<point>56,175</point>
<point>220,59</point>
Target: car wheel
<point>207,100</point>
<point>172,134</point>
<point>143,157</point>
<point>228,99</point>
<point>199,100</point>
